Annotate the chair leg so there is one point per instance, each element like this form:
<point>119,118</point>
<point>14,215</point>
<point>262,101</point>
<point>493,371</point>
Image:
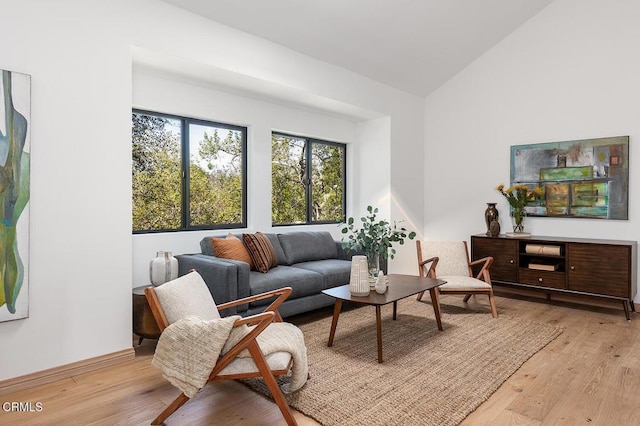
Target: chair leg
<point>177,403</point>
<point>466,298</point>
<point>492,302</point>
<point>271,383</point>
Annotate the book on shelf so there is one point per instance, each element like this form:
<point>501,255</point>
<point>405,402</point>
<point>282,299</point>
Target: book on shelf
<point>543,267</point>
<point>542,249</point>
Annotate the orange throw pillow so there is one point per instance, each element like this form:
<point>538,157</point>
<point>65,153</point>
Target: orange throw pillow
<point>231,248</point>
<point>261,251</point>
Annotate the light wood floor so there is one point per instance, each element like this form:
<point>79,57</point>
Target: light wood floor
<point>588,375</point>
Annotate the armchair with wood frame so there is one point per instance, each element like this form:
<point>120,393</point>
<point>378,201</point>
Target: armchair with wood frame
<point>189,295</point>
<point>449,261</point>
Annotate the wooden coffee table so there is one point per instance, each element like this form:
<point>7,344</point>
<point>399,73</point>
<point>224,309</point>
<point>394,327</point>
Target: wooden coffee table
<point>400,286</point>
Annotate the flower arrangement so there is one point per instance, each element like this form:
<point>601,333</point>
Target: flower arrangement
<point>518,197</point>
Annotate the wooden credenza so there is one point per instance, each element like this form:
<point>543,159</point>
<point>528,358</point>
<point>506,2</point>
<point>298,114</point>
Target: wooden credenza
<point>592,267</point>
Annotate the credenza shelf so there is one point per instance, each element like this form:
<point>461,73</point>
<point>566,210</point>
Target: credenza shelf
<point>580,266</point>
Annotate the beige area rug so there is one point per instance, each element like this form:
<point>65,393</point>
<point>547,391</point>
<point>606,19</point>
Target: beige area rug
<point>428,377</point>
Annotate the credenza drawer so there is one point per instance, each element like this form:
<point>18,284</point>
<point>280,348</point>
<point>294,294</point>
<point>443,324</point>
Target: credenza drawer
<point>542,278</point>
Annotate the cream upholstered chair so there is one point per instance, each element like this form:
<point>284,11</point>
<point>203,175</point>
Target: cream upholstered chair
<point>189,295</point>
<point>449,261</point>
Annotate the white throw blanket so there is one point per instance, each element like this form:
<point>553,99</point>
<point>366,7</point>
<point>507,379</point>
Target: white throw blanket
<point>278,337</point>
<point>189,349</point>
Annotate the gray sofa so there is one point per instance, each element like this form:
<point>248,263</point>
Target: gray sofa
<point>308,262</point>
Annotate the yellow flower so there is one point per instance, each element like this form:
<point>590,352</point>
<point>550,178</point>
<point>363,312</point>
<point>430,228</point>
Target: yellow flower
<point>519,195</point>
<point>538,191</point>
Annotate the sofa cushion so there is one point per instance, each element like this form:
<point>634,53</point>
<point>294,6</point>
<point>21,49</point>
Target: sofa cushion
<point>335,272</point>
<point>231,247</point>
<point>303,282</point>
<point>275,242</point>
<point>261,251</point>
<point>307,246</point>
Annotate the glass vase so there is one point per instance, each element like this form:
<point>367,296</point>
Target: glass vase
<point>373,261</point>
<point>518,221</point>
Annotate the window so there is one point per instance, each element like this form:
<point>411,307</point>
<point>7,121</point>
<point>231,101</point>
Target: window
<point>187,173</point>
<point>308,180</point>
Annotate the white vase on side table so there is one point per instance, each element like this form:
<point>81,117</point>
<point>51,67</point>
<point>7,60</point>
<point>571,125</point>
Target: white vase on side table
<point>163,268</point>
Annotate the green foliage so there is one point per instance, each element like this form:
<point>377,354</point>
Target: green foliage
<point>290,178</point>
<point>326,181</point>
<point>375,236</point>
<point>156,173</point>
<point>288,171</point>
<point>215,176</point>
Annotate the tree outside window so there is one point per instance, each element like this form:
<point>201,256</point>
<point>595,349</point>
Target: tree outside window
<point>308,180</point>
<point>207,191</point>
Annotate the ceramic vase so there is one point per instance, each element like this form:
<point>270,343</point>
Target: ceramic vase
<point>163,268</point>
<point>359,279</point>
<point>494,228</point>
<point>381,283</point>
<point>490,214</point>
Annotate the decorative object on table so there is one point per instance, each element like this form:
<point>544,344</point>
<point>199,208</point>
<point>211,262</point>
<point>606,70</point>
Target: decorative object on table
<point>490,214</point>
<point>14,195</point>
<point>359,279</point>
<point>381,283</point>
<point>581,178</point>
<point>518,197</point>
<point>163,268</point>
<point>375,238</point>
<point>494,228</point>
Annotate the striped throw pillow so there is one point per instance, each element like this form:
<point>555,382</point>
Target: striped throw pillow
<point>261,251</point>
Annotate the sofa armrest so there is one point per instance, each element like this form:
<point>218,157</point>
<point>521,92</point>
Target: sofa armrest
<point>221,276</point>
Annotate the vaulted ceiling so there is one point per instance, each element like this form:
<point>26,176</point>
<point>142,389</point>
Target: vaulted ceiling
<point>412,45</point>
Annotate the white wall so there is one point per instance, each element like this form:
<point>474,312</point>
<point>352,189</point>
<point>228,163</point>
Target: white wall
<point>78,54</point>
<point>80,244</point>
<point>571,72</point>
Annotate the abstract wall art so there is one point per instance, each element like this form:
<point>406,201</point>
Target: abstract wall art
<point>15,124</point>
<point>581,179</point>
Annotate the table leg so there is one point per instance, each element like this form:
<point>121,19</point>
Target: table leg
<point>436,307</point>
<point>625,305</point>
<point>379,332</point>
<point>334,322</point>
<point>395,310</point>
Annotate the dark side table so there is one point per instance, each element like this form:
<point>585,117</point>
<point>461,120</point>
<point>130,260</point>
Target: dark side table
<point>144,325</point>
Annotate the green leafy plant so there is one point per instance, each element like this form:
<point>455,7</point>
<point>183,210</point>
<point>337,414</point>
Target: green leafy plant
<point>375,236</point>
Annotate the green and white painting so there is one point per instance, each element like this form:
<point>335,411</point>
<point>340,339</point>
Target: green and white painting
<point>583,178</point>
<point>14,194</point>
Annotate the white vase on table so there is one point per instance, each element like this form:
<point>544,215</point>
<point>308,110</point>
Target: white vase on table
<point>163,268</point>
